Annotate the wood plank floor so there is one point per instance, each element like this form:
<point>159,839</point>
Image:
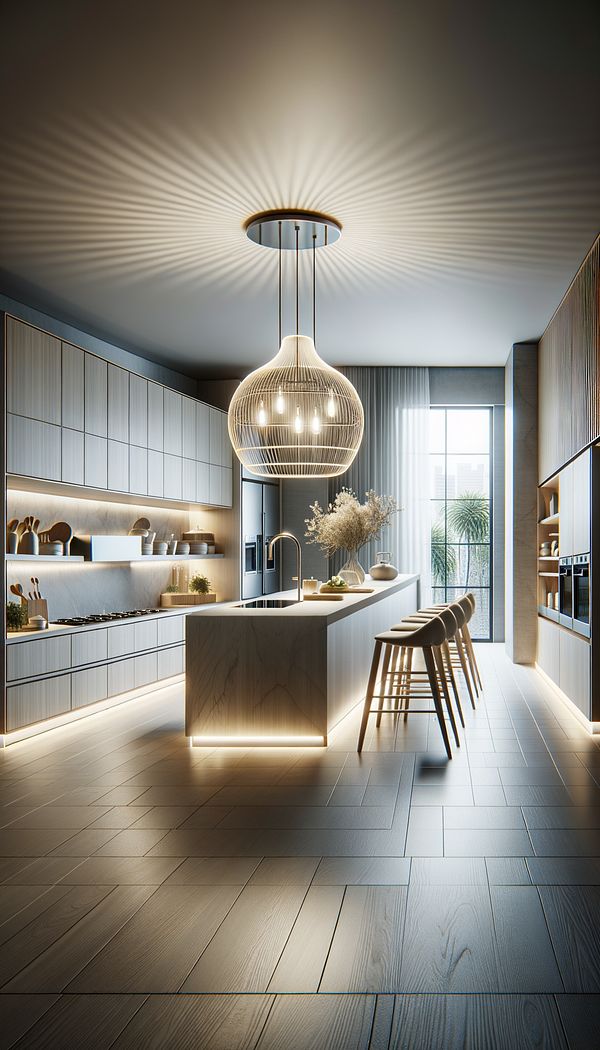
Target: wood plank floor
<point>158,896</point>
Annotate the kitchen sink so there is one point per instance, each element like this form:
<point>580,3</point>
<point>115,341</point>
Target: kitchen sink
<point>266,603</point>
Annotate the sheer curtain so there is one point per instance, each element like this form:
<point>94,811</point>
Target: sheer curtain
<point>393,460</point>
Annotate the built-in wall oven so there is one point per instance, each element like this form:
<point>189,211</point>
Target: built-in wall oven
<point>581,594</point>
<point>565,592</point>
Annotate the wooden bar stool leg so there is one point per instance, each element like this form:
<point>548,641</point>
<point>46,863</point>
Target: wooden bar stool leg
<point>387,655</point>
<point>464,633</point>
<point>437,655</point>
<point>432,674</point>
<point>452,677</point>
<point>409,660</point>
<point>396,674</point>
<point>464,668</point>
<point>369,695</point>
<point>472,657</point>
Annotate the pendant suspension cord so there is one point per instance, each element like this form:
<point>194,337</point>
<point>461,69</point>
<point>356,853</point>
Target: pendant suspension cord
<point>297,299</point>
<point>314,289</point>
<point>279,260</point>
<point>280,276</point>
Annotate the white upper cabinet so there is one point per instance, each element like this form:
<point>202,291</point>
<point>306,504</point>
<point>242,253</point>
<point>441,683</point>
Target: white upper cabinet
<point>155,417</point>
<point>75,417</point>
<point>118,403</point>
<point>73,365</point>
<point>33,373</point>
<point>188,416</point>
<point>202,432</point>
<point>215,440</point>
<point>138,411</point>
<point>582,503</point>
<point>96,396</point>
<point>172,422</point>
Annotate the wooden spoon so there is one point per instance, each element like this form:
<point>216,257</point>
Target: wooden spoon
<point>12,525</point>
<point>16,588</point>
<point>63,532</point>
<point>36,524</point>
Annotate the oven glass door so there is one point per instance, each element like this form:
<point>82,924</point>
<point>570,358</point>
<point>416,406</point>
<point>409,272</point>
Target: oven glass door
<point>565,582</point>
<point>581,593</point>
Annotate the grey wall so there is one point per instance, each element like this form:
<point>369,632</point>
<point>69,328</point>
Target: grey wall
<point>296,498</point>
<point>483,386</point>
<point>521,503</point>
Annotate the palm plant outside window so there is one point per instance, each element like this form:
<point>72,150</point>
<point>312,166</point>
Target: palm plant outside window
<point>461,508</point>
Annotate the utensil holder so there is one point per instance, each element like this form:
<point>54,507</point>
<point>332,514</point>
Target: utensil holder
<point>29,543</point>
<point>35,607</point>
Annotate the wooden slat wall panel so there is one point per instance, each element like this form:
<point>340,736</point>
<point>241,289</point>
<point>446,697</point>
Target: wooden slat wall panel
<point>569,372</point>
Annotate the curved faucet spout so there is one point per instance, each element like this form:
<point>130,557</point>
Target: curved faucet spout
<point>290,536</point>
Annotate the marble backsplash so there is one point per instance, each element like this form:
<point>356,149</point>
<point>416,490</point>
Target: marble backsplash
<point>79,589</point>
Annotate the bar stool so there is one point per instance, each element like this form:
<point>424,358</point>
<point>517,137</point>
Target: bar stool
<point>458,653</point>
<point>467,635</point>
<point>427,637</point>
<point>452,618</point>
<point>463,645</point>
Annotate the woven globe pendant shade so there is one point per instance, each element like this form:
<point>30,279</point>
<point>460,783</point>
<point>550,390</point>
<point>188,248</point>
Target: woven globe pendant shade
<point>296,416</point>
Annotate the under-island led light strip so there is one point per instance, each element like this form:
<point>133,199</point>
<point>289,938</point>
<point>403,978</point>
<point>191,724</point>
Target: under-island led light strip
<point>257,741</point>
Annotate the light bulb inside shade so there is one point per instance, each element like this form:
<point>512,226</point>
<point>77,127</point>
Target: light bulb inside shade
<point>298,424</point>
<point>331,406</point>
<point>315,423</point>
<point>280,403</point>
<point>262,415</point>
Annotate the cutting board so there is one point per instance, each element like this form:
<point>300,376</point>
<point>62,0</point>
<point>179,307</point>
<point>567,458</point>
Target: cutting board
<point>361,590</point>
<point>323,597</point>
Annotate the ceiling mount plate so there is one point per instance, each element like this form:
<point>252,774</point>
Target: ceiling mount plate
<point>313,228</point>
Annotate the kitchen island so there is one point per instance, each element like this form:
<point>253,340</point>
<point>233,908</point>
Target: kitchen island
<point>285,675</point>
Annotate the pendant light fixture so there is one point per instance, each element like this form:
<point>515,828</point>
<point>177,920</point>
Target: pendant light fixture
<point>295,417</point>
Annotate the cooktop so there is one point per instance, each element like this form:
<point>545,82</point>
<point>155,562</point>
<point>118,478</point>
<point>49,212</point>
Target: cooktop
<point>80,621</point>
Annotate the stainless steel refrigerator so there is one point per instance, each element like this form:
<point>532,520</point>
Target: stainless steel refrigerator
<point>260,522</point>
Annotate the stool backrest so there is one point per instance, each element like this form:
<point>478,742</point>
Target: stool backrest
<point>431,633</point>
<point>450,622</point>
<point>466,607</point>
<point>458,613</point>
<point>471,598</point>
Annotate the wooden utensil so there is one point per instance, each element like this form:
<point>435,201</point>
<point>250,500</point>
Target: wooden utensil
<point>36,524</point>
<point>63,532</point>
<point>12,525</point>
<point>16,588</point>
<point>36,587</point>
<point>20,529</point>
<point>141,523</point>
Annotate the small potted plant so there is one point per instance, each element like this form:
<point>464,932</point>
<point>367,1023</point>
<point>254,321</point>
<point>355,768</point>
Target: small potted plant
<point>16,616</point>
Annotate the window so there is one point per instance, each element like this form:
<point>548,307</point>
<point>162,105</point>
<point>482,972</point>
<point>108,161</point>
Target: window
<point>460,447</point>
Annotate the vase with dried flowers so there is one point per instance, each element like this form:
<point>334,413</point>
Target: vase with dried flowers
<point>348,524</point>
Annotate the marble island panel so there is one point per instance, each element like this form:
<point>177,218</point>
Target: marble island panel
<point>285,675</point>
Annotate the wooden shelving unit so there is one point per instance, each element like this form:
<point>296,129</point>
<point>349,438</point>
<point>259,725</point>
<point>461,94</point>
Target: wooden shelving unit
<point>45,557</point>
<point>548,530</point>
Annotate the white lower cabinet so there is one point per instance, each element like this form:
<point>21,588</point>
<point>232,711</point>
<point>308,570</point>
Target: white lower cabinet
<point>35,657</point>
<point>36,701</point>
<point>145,635</point>
<point>96,664</point>
<point>120,677</point>
<point>121,640</point>
<point>145,669</point>
<point>548,649</point>
<point>566,659</point>
<point>575,671</point>
<point>89,686</point>
<point>171,630</point>
<point>89,647</point>
<point>171,661</point>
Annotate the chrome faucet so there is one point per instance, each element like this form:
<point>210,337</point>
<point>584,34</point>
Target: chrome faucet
<point>290,536</point>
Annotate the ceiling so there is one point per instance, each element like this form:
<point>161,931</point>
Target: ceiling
<point>457,143</point>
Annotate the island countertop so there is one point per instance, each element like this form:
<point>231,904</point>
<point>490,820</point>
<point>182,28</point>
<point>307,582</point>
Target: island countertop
<point>327,610</point>
<point>285,675</point>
